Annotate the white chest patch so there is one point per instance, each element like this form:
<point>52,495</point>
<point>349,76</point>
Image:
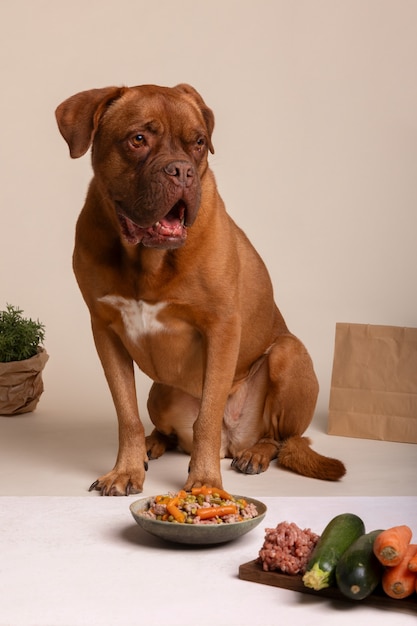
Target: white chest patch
<point>139,317</point>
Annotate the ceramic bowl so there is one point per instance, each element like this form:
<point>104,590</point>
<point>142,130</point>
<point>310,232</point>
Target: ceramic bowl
<point>196,534</point>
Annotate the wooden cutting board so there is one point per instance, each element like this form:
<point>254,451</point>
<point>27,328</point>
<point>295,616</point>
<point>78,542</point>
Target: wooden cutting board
<point>253,572</point>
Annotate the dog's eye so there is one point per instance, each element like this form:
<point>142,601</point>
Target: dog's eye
<point>137,140</point>
<point>200,143</point>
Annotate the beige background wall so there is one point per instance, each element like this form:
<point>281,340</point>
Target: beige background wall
<point>316,153</point>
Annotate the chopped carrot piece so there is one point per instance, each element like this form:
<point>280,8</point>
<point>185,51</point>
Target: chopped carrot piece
<point>216,511</point>
<point>210,491</point>
<point>172,508</point>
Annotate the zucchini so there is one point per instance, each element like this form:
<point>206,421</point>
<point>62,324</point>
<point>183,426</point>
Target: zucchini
<point>358,571</point>
<point>338,535</point>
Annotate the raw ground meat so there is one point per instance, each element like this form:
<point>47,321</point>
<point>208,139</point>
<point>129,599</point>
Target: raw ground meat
<point>287,548</point>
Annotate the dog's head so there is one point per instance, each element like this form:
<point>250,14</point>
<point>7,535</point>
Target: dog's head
<point>149,154</point>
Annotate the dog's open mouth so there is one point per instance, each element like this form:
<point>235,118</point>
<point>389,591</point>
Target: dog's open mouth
<point>169,231</point>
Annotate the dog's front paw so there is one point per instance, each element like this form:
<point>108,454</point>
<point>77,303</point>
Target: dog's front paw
<point>208,479</point>
<point>119,483</point>
<point>196,484</point>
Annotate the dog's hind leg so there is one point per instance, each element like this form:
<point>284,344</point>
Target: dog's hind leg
<point>173,413</point>
<point>256,459</point>
<point>290,401</point>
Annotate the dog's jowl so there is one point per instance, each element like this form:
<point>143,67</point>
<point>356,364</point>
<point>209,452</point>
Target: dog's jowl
<point>173,284</point>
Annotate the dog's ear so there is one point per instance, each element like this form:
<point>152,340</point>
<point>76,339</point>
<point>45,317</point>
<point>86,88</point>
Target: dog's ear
<point>79,115</point>
<point>207,113</point>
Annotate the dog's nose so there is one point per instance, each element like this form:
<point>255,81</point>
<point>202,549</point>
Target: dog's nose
<point>181,171</point>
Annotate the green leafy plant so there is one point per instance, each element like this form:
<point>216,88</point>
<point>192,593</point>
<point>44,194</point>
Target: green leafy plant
<point>20,337</point>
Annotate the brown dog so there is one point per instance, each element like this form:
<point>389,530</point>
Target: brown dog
<point>173,284</point>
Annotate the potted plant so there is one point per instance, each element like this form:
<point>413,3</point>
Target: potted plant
<point>22,359</point>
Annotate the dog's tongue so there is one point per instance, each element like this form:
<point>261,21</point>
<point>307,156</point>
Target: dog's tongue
<point>169,226</point>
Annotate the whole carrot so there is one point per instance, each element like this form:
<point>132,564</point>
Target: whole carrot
<point>391,545</point>
<point>399,581</point>
<point>412,564</point>
<point>216,511</point>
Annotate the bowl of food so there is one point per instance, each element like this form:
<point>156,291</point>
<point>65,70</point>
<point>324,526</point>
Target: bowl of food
<point>202,516</point>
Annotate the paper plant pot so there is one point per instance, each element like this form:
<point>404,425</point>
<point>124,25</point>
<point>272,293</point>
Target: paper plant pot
<point>21,384</point>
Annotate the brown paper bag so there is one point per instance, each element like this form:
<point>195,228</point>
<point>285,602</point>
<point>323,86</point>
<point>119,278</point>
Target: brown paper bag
<point>373,391</point>
<point>21,384</point>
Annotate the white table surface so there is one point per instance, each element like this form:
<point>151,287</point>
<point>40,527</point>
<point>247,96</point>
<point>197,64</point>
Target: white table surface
<point>83,561</point>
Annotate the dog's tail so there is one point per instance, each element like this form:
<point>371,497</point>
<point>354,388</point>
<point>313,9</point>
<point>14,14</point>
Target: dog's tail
<point>295,454</point>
